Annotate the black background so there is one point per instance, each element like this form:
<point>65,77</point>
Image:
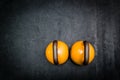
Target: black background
<point>27,26</point>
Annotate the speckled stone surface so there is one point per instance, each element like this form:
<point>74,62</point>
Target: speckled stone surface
<point>27,26</point>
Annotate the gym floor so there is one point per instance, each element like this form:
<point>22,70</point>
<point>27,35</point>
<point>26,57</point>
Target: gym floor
<point>27,26</point>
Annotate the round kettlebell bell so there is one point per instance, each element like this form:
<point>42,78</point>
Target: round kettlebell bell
<point>57,52</point>
<point>82,52</point>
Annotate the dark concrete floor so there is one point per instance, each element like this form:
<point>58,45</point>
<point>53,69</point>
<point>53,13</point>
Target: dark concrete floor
<point>27,26</point>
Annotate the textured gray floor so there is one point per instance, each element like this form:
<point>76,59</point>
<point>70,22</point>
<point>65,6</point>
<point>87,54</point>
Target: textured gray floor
<point>27,26</point>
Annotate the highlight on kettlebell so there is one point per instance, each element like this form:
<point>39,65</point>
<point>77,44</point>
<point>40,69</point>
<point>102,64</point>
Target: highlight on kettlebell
<point>57,52</point>
<point>82,52</point>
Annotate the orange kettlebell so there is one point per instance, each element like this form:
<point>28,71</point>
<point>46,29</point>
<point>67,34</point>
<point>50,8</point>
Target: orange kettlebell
<point>57,52</point>
<point>82,52</point>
